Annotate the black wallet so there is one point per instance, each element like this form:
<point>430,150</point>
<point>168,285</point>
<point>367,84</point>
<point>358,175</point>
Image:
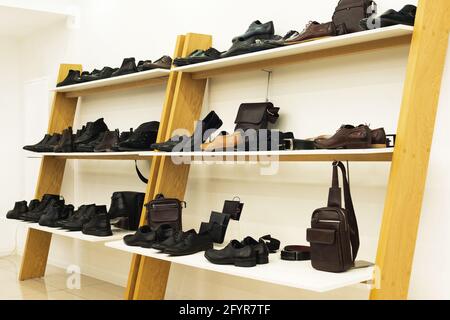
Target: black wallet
<point>233,208</point>
<point>217,226</point>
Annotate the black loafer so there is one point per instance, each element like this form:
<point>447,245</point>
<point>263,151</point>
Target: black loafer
<point>192,244</point>
<point>145,237</point>
<point>234,253</point>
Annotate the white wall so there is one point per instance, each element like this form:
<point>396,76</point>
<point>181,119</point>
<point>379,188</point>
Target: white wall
<point>315,97</point>
<point>11,169</point>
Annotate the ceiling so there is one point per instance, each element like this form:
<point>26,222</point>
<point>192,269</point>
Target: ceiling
<point>19,22</point>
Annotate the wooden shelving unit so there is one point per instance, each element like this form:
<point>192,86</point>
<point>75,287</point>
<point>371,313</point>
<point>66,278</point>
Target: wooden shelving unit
<point>184,98</point>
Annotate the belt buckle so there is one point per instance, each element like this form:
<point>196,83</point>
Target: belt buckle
<point>291,144</point>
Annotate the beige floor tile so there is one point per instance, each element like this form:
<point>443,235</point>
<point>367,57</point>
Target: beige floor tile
<point>23,289</point>
<point>103,291</point>
<point>60,281</point>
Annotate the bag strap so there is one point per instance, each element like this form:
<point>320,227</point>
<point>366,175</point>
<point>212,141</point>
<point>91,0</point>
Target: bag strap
<point>272,114</point>
<point>334,200</point>
<point>140,175</point>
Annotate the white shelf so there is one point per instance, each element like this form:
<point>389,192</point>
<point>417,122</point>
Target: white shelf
<point>87,155</point>
<point>374,154</point>
<point>134,77</point>
<point>117,233</point>
<point>317,45</point>
<point>296,274</point>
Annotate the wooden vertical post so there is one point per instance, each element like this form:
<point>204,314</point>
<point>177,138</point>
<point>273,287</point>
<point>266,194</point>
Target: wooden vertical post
<point>411,156</point>
<point>50,180</point>
<point>150,281</point>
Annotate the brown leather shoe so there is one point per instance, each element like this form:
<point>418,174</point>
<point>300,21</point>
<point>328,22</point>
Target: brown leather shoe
<point>109,139</point>
<point>379,139</point>
<point>313,31</point>
<point>347,137</point>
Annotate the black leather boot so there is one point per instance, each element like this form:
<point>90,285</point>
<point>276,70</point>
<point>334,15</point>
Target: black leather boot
<point>38,209</point>
<point>73,77</point>
<point>128,66</point>
<point>54,214</point>
<point>82,216</point>
<point>99,225</point>
<point>90,147</point>
<point>124,135</point>
<point>35,147</point>
<point>35,216</point>
<point>66,142</point>
<point>19,209</point>
<point>92,131</point>
<point>109,139</point>
<point>127,208</point>
<point>142,138</point>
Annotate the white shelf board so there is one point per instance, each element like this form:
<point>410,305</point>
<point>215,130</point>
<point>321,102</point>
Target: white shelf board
<point>94,155</point>
<point>272,155</point>
<point>296,274</point>
<point>134,77</point>
<point>117,233</point>
<point>317,45</point>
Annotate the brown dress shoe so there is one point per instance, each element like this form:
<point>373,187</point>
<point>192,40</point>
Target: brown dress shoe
<point>313,31</point>
<point>347,137</point>
<point>224,142</point>
<point>379,139</point>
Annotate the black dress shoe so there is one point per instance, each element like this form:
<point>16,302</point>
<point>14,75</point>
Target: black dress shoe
<point>83,215</point>
<point>234,253</point>
<point>54,214</point>
<point>45,145</point>
<point>406,16</point>
<point>92,131</point>
<point>256,28</point>
<point>65,144</point>
<point>124,135</point>
<point>126,208</point>
<point>19,209</point>
<point>109,138</point>
<point>172,241</point>
<point>95,75</point>
<point>165,62</point>
<point>99,225</point>
<point>142,138</point>
<point>90,146</point>
<point>35,215</point>
<point>39,207</point>
<point>145,236</point>
<point>198,56</point>
<point>203,130</point>
<point>191,244</point>
<point>73,77</point>
<point>128,66</point>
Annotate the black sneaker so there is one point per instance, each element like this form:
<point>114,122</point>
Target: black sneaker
<point>99,225</point>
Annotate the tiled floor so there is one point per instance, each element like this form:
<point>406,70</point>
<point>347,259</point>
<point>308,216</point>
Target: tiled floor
<point>53,286</point>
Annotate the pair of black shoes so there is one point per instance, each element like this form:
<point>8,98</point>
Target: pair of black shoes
<point>21,208</point>
<point>89,219</point>
<point>166,240</point>
<point>245,253</point>
<point>406,16</point>
<point>203,130</point>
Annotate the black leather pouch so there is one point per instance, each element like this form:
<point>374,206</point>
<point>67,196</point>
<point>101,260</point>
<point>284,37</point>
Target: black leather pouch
<point>217,226</point>
<point>256,116</point>
<point>233,208</point>
<point>167,211</point>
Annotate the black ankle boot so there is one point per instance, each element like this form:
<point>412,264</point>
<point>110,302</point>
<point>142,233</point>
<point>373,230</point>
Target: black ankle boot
<point>127,207</point>
<point>54,214</point>
<point>73,77</point>
<point>38,207</point>
<point>66,142</point>
<point>142,138</point>
<point>124,135</point>
<point>19,209</point>
<point>128,66</point>
<point>91,132</point>
<point>99,225</point>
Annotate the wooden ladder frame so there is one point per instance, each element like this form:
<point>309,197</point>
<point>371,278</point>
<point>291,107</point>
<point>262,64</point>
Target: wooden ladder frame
<point>184,97</point>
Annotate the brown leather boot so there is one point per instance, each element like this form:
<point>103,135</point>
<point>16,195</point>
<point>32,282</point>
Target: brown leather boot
<point>347,137</point>
<point>109,139</point>
<point>65,144</point>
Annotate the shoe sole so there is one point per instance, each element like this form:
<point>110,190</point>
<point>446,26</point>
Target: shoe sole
<point>98,234</point>
<point>187,253</point>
